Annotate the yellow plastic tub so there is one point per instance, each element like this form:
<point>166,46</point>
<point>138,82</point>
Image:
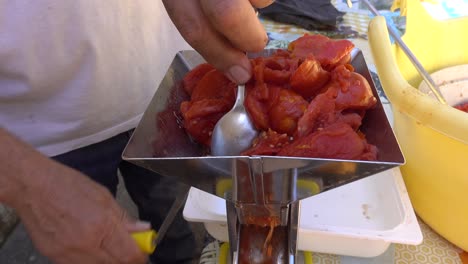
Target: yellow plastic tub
<point>433,137</point>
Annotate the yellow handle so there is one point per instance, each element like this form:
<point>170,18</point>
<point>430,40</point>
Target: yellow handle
<point>146,240</point>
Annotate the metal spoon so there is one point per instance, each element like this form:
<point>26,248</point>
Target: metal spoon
<point>424,74</point>
<point>235,131</point>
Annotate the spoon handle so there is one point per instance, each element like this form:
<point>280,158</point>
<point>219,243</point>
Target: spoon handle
<point>240,94</point>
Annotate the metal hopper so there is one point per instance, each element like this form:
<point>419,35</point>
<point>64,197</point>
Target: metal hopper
<point>160,144</point>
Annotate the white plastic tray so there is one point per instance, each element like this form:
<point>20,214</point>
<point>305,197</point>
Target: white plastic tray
<point>358,219</point>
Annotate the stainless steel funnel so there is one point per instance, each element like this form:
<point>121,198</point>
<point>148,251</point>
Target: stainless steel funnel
<point>160,144</point>
<point>254,187</point>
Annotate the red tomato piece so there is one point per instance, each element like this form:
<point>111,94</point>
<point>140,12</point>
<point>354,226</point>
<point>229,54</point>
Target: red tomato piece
<point>352,119</point>
<point>206,107</point>
<point>354,92</point>
<point>214,85</point>
<point>200,129</point>
<point>320,113</point>
<point>261,90</point>
<point>279,77</point>
<point>309,78</point>
<point>192,78</point>
<point>337,141</point>
<point>267,143</point>
<point>286,111</point>
<point>258,109</point>
<point>328,52</point>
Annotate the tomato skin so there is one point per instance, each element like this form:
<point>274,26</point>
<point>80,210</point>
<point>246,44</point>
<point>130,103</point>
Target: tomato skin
<point>257,110</point>
<point>337,141</point>
<point>330,53</point>
<point>309,78</point>
<point>354,91</point>
<point>319,113</point>
<point>214,85</point>
<point>279,77</point>
<point>192,78</point>
<point>206,107</point>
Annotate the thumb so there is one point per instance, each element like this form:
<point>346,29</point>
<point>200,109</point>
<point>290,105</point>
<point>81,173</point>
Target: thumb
<point>215,48</point>
<point>240,71</point>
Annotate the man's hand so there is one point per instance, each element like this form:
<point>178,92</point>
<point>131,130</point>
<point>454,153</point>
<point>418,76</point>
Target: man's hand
<point>70,218</point>
<point>221,31</point>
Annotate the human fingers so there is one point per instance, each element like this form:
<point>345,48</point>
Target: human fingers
<point>79,257</point>
<point>236,20</point>
<point>119,244</point>
<point>261,3</point>
<point>72,218</point>
<point>197,30</point>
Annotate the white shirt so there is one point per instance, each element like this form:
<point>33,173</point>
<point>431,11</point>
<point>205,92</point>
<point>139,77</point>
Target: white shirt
<point>75,72</point>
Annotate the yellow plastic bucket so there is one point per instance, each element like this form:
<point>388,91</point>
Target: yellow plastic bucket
<point>433,137</point>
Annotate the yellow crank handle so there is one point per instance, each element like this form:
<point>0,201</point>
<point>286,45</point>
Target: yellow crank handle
<point>146,240</point>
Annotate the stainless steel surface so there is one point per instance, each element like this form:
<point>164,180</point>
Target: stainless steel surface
<point>235,131</point>
<point>235,226</point>
<point>293,230</point>
<point>256,186</point>
<point>424,74</point>
<point>160,144</point>
<point>166,224</point>
<point>233,229</point>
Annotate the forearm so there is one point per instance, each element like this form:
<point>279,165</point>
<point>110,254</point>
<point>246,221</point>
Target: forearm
<point>70,218</point>
<point>20,166</point>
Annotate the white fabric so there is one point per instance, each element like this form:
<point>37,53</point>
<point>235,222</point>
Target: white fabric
<point>75,72</point>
